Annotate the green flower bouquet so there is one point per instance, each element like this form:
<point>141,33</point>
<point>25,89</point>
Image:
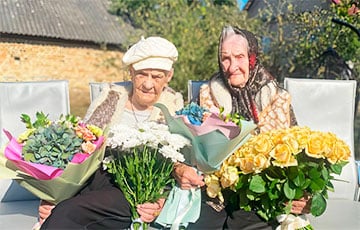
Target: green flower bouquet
<point>53,159</point>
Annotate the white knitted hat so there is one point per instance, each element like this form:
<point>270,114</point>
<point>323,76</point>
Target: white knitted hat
<point>151,53</point>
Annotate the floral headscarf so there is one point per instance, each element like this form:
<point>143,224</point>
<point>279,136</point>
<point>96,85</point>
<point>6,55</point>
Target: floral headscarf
<point>243,98</point>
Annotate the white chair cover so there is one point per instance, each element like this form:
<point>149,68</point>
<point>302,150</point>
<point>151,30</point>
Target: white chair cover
<point>16,98</point>
<point>328,105</point>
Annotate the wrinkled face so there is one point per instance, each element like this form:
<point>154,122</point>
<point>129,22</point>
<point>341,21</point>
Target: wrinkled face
<point>235,60</point>
<point>148,85</point>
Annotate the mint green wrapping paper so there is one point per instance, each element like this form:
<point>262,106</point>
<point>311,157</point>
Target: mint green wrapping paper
<point>207,153</point>
<point>211,149</point>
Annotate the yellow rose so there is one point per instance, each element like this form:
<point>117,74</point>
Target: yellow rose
<point>230,177</point>
<point>261,162</point>
<point>341,152</point>
<point>213,188</point>
<point>246,150</point>
<point>302,135</point>
<point>291,141</point>
<point>231,160</point>
<point>247,164</point>
<point>263,145</point>
<point>283,156</point>
<point>329,146</point>
<point>315,145</point>
<point>277,136</point>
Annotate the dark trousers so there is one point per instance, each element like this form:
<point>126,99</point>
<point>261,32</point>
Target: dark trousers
<point>100,205</point>
<point>227,218</point>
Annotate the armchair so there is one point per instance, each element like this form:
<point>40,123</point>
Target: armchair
<point>18,207</point>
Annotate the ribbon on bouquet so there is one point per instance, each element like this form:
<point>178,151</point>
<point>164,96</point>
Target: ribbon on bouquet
<point>291,222</point>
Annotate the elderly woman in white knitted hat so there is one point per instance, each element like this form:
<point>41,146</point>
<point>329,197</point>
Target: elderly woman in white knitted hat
<point>101,205</point>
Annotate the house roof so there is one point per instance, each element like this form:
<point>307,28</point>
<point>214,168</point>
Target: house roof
<point>81,20</point>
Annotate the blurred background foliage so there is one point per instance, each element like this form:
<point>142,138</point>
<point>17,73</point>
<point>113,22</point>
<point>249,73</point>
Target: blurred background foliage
<point>294,42</point>
<point>193,26</point>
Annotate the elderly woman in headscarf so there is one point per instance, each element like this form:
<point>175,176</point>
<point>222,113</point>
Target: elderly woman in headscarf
<point>242,85</point>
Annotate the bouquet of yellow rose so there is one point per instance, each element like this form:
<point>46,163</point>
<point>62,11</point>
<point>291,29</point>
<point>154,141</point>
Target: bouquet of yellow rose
<point>274,168</point>
<point>53,159</point>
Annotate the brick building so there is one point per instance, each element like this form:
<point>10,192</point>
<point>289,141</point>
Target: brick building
<point>75,40</point>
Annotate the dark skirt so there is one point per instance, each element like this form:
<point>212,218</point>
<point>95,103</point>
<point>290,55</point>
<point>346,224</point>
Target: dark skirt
<point>100,205</point>
<point>226,218</point>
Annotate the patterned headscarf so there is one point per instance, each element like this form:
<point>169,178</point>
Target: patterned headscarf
<point>243,98</point>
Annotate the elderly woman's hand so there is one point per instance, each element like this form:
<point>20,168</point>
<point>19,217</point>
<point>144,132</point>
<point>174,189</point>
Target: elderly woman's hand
<point>149,211</point>
<point>301,206</point>
<point>45,210</point>
<point>187,177</point>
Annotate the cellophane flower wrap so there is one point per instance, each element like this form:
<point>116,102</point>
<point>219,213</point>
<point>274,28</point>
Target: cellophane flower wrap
<point>213,137</point>
<point>53,159</point>
<point>141,162</point>
<point>274,168</point>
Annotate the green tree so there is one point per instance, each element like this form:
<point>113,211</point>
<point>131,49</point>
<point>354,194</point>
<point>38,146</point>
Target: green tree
<point>292,42</point>
<point>298,39</point>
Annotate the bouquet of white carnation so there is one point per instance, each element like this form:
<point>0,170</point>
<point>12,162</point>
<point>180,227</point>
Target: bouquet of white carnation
<point>141,162</point>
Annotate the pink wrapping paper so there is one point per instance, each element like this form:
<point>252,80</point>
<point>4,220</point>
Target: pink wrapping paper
<point>13,152</point>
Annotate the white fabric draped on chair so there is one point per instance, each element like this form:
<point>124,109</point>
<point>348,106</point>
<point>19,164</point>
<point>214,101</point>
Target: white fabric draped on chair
<point>328,105</point>
<point>18,207</point>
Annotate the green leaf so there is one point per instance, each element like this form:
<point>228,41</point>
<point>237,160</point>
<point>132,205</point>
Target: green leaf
<point>314,173</point>
<point>41,120</point>
<point>299,193</point>
<point>273,194</point>
<point>318,204</point>
<point>27,120</point>
<point>330,186</point>
<point>299,180</point>
<point>292,173</point>
<point>289,190</point>
<point>306,184</point>
<point>317,185</point>
<point>257,184</point>
<point>336,168</point>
